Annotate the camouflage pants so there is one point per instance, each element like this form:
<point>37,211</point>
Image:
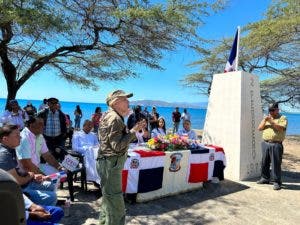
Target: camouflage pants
<point>112,209</point>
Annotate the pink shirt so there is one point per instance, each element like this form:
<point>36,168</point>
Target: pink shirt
<point>31,146</point>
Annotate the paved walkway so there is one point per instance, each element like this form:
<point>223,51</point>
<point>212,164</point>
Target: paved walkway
<point>228,202</point>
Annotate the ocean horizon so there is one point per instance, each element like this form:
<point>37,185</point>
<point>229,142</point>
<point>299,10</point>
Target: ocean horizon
<point>197,115</point>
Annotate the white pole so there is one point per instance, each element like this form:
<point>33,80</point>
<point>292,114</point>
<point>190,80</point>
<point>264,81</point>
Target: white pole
<point>238,49</point>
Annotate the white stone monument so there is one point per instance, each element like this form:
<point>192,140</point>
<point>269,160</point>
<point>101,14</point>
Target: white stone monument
<point>233,114</point>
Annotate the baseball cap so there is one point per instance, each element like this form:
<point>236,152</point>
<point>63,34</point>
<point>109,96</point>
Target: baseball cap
<point>53,100</point>
<point>116,94</point>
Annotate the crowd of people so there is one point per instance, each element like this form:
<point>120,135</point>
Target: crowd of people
<point>32,144</point>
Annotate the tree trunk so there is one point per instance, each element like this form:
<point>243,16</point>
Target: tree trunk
<point>11,92</point>
<point>10,74</point>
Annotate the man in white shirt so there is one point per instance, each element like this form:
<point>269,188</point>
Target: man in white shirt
<point>86,143</point>
<point>33,147</point>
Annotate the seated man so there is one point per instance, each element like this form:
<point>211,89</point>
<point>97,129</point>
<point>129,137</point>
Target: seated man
<point>41,215</point>
<point>33,147</point>
<point>34,185</point>
<point>86,143</point>
<point>186,131</point>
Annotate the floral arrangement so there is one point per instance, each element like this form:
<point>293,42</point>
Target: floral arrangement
<point>169,142</point>
<point>177,142</point>
<point>158,143</point>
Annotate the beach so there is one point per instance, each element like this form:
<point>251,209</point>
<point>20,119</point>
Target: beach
<point>228,202</point>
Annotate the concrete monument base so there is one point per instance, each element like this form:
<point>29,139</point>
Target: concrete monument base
<point>233,114</point>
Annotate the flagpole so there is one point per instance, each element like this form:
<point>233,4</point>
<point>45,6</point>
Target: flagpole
<point>238,49</point>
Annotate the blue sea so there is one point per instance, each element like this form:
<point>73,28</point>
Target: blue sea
<point>197,115</point>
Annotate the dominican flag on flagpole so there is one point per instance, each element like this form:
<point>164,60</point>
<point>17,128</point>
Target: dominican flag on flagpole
<point>232,63</point>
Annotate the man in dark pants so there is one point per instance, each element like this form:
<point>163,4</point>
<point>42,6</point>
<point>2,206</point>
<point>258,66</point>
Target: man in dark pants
<point>55,128</point>
<point>274,128</point>
<point>115,139</point>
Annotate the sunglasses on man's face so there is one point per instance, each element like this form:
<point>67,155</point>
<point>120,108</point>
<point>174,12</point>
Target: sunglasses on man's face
<point>272,110</point>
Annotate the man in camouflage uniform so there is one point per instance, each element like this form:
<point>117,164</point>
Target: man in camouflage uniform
<point>114,139</point>
<point>273,127</point>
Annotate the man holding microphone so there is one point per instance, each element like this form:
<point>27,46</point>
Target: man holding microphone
<point>115,139</point>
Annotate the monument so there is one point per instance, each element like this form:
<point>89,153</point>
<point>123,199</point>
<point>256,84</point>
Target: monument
<point>233,114</point>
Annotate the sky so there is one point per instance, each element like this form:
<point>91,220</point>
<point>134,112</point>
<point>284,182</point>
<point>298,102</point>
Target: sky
<point>152,84</point>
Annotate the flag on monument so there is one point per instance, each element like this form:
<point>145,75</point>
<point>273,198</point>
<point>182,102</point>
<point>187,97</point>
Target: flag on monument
<point>232,62</point>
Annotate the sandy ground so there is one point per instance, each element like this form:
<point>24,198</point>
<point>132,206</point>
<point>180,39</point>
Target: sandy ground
<point>225,203</point>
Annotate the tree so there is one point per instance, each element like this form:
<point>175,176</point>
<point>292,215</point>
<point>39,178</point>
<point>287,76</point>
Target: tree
<point>267,47</point>
<point>102,39</point>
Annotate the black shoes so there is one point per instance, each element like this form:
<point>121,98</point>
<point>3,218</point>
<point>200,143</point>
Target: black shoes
<point>263,181</point>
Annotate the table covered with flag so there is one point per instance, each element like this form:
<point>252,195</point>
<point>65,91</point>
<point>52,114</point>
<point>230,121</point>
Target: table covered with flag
<point>154,174</point>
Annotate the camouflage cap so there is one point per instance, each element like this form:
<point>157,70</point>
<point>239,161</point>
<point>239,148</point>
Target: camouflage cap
<point>115,95</point>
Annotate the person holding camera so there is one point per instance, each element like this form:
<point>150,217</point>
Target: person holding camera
<point>273,127</point>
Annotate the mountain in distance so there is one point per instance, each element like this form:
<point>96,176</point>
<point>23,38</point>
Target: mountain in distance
<point>150,103</point>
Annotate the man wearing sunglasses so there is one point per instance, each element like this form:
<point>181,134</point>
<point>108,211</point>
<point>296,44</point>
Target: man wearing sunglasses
<point>273,128</point>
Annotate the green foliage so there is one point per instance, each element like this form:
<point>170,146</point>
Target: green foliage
<point>102,39</point>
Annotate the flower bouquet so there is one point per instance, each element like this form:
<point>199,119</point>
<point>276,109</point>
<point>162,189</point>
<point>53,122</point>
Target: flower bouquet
<point>177,142</point>
<point>158,143</point>
<point>169,142</point>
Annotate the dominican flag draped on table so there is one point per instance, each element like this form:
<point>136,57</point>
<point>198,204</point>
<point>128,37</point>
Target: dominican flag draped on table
<point>206,162</point>
<point>232,63</point>
<point>143,171</point>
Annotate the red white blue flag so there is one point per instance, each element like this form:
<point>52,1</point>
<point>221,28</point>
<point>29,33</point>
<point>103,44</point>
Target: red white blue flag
<point>143,171</point>
<point>206,163</point>
<point>232,62</point>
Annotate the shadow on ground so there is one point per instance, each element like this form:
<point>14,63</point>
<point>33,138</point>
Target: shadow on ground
<point>290,180</point>
<point>85,206</point>
<point>180,203</point>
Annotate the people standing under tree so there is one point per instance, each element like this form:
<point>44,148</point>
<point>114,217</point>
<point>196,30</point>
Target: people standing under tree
<point>160,130</point>
<point>176,115</point>
<point>273,127</point>
<point>55,129</point>
<point>96,117</point>
<point>78,116</point>
<point>115,139</point>
<point>153,118</point>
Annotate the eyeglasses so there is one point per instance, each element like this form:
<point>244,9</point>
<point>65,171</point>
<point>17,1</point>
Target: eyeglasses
<point>272,110</point>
